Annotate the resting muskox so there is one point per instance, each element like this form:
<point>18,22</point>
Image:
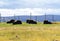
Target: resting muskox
<point>17,22</point>
<point>47,22</point>
<point>31,22</point>
<point>11,21</point>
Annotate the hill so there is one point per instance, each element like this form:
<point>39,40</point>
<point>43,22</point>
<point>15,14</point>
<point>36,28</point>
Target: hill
<point>36,18</point>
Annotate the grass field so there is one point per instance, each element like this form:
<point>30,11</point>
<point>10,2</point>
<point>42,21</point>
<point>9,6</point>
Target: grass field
<point>30,32</point>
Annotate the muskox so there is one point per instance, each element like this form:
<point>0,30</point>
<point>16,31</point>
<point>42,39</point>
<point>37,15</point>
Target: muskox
<point>11,21</point>
<point>31,22</point>
<point>47,22</point>
<point>17,22</point>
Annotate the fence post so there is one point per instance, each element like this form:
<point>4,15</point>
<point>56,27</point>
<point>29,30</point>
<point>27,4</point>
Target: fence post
<point>0,17</point>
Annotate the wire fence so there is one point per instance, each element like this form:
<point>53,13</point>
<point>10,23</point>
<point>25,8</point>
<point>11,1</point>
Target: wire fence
<point>24,18</point>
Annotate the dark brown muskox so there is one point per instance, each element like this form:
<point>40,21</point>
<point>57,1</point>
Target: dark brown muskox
<point>47,22</point>
<point>11,21</point>
<point>31,22</point>
<point>17,22</point>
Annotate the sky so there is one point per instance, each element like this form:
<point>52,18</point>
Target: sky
<point>25,7</point>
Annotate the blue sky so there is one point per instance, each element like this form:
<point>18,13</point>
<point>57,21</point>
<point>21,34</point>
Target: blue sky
<point>13,4</point>
<point>36,7</point>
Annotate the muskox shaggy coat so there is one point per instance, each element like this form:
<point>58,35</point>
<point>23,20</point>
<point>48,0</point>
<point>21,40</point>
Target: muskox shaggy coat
<point>17,22</point>
<point>47,22</point>
<point>31,22</point>
<point>11,21</point>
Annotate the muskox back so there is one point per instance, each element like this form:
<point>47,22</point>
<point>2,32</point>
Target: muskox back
<point>18,22</point>
<point>31,22</point>
<point>11,21</point>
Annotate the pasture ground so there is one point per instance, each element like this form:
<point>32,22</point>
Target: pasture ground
<point>30,32</point>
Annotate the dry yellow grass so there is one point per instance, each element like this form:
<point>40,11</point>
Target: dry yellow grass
<point>30,32</point>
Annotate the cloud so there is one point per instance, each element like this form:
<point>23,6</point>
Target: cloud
<point>2,3</point>
<point>13,4</point>
<point>27,11</point>
<point>24,7</point>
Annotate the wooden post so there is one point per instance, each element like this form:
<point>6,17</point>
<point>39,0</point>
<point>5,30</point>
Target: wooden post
<point>45,16</point>
<point>30,15</point>
<point>0,17</point>
<point>36,19</point>
<point>53,18</point>
<point>14,16</point>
